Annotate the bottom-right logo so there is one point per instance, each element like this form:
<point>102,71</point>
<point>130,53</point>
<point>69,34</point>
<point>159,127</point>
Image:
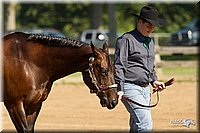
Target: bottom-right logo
<point>183,122</point>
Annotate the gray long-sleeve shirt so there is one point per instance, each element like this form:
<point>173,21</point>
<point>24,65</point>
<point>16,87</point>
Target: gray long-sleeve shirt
<point>134,62</point>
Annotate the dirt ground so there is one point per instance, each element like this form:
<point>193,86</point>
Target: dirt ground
<point>70,107</point>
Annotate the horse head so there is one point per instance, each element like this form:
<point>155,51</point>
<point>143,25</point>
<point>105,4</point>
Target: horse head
<point>100,77</point>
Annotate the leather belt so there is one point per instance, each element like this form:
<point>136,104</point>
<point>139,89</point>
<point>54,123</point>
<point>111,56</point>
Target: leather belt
<point>139,84</point>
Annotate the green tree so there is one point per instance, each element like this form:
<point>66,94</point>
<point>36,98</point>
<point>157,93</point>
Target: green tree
<point>72,18</point>
<point>176,15</point>
<point>68,18</point>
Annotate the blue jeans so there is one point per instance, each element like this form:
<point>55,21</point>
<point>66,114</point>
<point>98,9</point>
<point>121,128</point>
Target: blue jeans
<point>140,117</point>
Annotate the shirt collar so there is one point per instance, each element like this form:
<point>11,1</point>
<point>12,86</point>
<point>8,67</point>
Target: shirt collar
<point>138,36</point>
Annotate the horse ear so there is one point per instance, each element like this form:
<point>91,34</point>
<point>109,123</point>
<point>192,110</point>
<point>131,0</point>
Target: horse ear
<point>105,47</point>
<point>92,46</point>
<point>96,53</point>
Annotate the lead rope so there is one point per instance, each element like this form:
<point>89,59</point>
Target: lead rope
<point>168,83</point>
<point>148,106</point>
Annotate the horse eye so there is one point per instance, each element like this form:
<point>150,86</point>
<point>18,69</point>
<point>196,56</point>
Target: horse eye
<point>104,72</point>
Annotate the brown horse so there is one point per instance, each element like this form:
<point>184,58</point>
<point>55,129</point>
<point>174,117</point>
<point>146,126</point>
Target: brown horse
<point>31,64</point>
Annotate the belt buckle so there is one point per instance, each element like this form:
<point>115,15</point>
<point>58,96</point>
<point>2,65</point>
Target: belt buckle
<point>144,85</point>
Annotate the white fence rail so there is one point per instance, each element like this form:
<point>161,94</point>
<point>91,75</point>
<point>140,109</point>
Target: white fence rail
<point>161,39</point>
<point>163,47</point>
<point>172,50</point>
<point>179,50</point>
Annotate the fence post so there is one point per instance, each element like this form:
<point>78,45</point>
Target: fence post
<point>157,55</point>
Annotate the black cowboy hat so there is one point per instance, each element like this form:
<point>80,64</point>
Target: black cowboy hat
<point>150,14</point>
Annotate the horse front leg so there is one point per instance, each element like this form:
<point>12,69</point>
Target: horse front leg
<point>18,117</point>
<point>32,112</point>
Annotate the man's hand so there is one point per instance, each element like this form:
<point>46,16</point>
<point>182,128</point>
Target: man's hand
<point>120,94</point>
<point>158,86</point>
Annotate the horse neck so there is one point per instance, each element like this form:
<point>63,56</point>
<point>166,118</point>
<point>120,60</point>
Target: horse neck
<point>60,62</point>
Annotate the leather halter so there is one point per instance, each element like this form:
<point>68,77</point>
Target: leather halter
<point>94,81</point>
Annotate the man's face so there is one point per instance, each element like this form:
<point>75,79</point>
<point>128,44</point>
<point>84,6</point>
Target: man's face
<point>145,28</point>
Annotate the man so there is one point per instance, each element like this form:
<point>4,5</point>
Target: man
<point>134,65</point>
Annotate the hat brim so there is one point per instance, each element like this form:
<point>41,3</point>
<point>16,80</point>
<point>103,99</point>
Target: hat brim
<point>158,22</point>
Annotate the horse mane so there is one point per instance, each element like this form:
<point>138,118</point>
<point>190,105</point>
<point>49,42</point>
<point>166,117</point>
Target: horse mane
<point>55,40</point>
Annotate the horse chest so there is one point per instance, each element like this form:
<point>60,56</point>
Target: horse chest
<point>39,94</point>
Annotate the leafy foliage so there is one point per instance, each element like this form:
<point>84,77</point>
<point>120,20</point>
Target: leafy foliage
<point>72,18</point>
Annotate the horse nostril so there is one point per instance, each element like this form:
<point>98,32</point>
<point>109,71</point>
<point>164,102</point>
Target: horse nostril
<point>114,102</point>
<point>103,102</point>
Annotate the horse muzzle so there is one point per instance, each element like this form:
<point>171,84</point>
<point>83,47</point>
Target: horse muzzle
<point>108,99</point>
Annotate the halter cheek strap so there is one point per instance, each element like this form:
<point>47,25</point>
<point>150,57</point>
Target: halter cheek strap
<point>94,80</point>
